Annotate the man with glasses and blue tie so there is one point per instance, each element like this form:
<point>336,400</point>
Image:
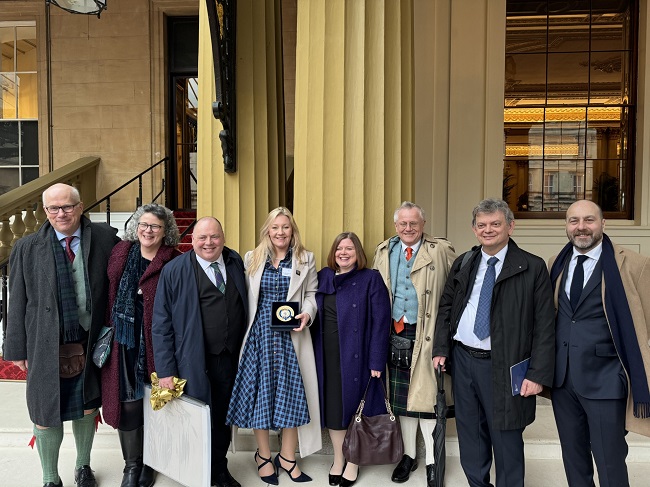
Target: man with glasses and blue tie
<point>414,267</point>
<point>602,361</point>
<point>199,321</point>
<point>496,312</point>
<point>59,288</point>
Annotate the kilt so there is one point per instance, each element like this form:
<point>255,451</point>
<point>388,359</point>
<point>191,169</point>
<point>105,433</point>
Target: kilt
<point>72,398</point>
<point>399,381</point>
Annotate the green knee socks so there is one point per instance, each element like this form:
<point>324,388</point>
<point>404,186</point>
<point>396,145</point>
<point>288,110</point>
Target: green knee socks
<point>48,444</point>
<point>84,434</point>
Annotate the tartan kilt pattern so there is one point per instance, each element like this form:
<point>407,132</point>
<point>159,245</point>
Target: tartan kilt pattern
<point>72,398</point>
<point>399,380</point>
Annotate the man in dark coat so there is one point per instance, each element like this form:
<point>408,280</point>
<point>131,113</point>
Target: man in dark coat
<point>496,311</point>
<point>58,287</point>
<point>199,320</point>
<point>602,361</point>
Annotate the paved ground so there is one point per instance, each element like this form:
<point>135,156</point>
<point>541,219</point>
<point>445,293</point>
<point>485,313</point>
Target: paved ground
<point>20,467</point>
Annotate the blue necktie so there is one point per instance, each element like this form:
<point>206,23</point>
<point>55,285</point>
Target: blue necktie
<point>221,284</point>
<point>482,323</point>
<point>578,282</point>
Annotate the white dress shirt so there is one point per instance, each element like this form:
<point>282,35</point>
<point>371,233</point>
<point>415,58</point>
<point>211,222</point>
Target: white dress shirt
<point>588,265</point>
<point>210,272</point>
<point>465,332</point>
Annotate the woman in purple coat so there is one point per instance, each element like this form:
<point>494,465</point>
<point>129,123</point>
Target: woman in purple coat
<point>350,342</point>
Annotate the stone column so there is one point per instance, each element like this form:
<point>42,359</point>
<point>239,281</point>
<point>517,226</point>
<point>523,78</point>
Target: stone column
<point>242,200</point>
<point>354,119</point>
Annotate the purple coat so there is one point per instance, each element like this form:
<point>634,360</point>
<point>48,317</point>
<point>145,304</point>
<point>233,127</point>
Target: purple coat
<point>363,313</point>
<point>148,283</point>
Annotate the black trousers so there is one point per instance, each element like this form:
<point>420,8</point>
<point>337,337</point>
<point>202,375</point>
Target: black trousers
<point>589,426</point>
<point>221,370</point>
<point>477,438</point>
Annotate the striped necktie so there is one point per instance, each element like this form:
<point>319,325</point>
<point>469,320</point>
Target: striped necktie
<point>221,284</point>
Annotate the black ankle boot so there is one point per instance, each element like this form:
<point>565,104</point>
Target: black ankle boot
<point>131,443</point>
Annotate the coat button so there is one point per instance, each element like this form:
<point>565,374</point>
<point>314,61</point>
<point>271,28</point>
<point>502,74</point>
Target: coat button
<point>428,339</point>
<point>47,308</point>
<point>428,291</point>
<point>432,268</point>
<point>356,355</point>
<point>428,315</point>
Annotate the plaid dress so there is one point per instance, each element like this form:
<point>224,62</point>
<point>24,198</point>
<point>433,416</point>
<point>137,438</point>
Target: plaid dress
<point>268,391</point>
<point>399,380</point>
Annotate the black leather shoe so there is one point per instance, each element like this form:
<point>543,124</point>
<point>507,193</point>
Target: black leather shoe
<point>84,477</point>
<point>404,469</point>
<point>431,475</point>
<point>224,479</point>
<point>52,484</point>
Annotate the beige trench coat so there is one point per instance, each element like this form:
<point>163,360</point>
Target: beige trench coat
<point>635,274</point>
<point>302,288</point>
<point>428,275</point>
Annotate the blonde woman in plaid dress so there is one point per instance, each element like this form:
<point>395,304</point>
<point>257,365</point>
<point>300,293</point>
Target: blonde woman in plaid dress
<point>276,385</point>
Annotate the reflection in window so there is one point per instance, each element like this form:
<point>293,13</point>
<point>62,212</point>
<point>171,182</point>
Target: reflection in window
<point>18,105</point>
<point>569,105</point>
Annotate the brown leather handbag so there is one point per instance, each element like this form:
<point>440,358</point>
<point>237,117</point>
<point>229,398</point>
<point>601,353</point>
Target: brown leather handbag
<point>72,360</point>
<point>373,440</point>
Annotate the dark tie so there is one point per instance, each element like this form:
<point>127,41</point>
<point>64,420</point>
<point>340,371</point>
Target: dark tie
<point>482,323</point>
<point>578,282</point>
<point>221,284</point>
<point>68,248</point>
<point>409,253</point>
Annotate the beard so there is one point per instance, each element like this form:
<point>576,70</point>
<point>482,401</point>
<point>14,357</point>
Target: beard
<point>585,244</point>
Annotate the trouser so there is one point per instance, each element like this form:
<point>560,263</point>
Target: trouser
<point>477,438</point>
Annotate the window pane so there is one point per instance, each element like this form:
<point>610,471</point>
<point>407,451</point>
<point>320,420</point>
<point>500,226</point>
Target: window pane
<point>28,174</point>
<point>27,95</point>
<point>8,179</point>
<point>7,48</point>
<point>568,78</point>
<point>564,140</point>
<point>526,34</point>
<point>610,25</point>
<point>568,37</point>
<point>7,95</point>
<point>607,77</point>
<point>609,179</point>
<point>525,79</point>
<point>29,143</point>
<point>9,154</point>
<point>26,49</point>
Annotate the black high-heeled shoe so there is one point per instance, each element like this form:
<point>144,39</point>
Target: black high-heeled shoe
<point>348,483</point>
<point>269,479</point>
<point>336,479</point>
<point>303,477</point>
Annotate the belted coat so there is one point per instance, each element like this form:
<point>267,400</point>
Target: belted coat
<point>428,275</point>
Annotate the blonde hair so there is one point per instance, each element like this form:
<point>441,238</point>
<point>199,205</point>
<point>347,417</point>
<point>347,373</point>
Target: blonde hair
<point>264,249</point>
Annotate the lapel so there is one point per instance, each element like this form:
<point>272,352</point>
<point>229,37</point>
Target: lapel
<point>298,274</point>
<point>423,257</point>
<point>43,249</point>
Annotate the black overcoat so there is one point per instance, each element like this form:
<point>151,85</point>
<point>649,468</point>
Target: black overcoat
<point>33,327</point>
<point>522,325</point>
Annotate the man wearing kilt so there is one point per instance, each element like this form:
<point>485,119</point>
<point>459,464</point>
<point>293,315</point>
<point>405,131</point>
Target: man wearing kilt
<point>59,288</point>
<point>414,267</point>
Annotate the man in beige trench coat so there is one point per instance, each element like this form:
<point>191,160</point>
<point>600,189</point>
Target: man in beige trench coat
<point>414,267</point>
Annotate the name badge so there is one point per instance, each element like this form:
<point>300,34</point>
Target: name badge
<point>286,272</point>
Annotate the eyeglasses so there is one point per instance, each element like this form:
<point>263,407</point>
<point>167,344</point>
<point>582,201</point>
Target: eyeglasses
<point>144,226</point>
<point>403,225</point>
<point>53,210</point>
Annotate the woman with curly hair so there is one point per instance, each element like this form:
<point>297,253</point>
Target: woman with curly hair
<point>134,267</point>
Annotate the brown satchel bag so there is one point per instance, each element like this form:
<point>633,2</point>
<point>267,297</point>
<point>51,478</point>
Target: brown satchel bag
<point>373,440</point>
<point>72,360</point>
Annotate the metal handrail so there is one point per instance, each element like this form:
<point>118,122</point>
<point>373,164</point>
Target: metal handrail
<point>138,202</point>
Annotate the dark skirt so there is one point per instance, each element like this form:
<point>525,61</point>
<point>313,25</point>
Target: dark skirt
<point>400,379</point>
<point>332,366</point>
